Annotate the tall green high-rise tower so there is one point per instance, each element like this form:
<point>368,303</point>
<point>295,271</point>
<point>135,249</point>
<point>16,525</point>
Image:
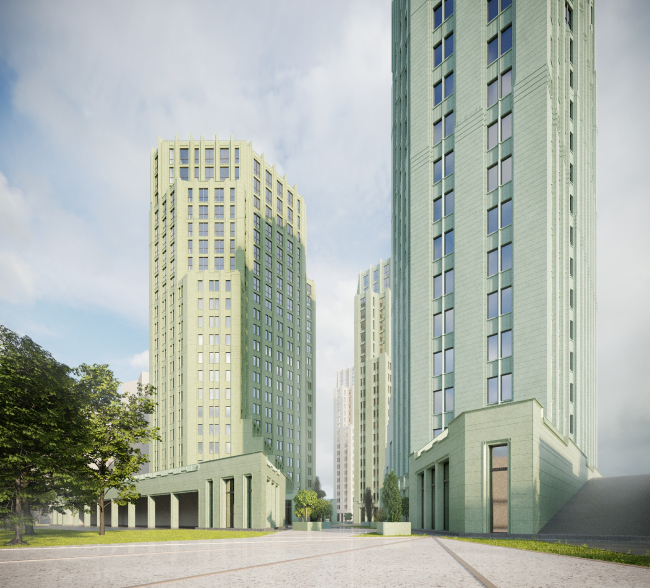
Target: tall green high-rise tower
<point>232,312</point>
<point>493,415</point>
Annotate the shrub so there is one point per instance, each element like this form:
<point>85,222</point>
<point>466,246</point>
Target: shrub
<point>304,502</point>
<point>392,498</point>
<point>381,515</point>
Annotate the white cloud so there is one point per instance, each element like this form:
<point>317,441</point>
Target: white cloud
<point>140,361</point>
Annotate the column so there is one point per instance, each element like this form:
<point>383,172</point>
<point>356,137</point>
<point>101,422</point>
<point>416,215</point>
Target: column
<point>115,512</point>
<point>98,514</point>
<point>130,516</point>
<point>173,511</point>
<point>151,512</point>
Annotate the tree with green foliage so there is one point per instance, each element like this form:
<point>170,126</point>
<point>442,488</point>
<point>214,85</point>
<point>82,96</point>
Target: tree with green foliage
<point>368,504</point>
<point>318,488</point>
<point>391,497</point>
<point>347,516</point>
<point>304,502</point>
<point>405,507</point>
<point>322,509</point>
<point>115,424</point>
<point>381,515</point>
<point>42,429</point>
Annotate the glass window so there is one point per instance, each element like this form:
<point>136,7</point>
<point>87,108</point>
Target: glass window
<point>449,242</point>
<point>493,9</point>
<point>437,209</point>
<point>493,262</point>
<point>449,400</point>
<point>437,248</point>
<point>449,84</point>
<point>506,126</point>
<point>437,93</point>
<point>437,55</point>
<point>437,16</point>
<point>492,95</point>
<point>437,402</point>
<point>437,324</point>
<point>493,49</point>
<point>437,171</point>
<point>506,300</point>
<point>449,45</point>
<point>449,360</point>
<point>506,344</point>
<point>449,203</point>
<point>505,4</point>
<point>449,281</point>
<point>449,8</point>
<point>449,163</point>
<point>493,220</point>
<point>449,123</point>
<point>506,387</point>
<point>209,173</point>
<point>437,132</point>
<point>493,305</point>
<point>493,347</point>
<point>506,213</point>
<point>449,321</point>
<point>224,173</point>
<point>437,286</point>
<point>506,83</point>
<point>493,390</point>
<point>506,39</point>
<point>506,257</point>
<point>493,178</point>
<point>492,135</point>
<point>224,154</point>
<point>506,170</point>
<point>437,363</point>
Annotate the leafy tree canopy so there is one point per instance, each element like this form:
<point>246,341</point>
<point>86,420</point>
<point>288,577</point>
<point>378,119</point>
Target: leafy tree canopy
<point>392,498</point>
<point>304,502</point>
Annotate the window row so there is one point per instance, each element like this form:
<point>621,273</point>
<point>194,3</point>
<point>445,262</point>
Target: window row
<point>493,260</point>
<point>493,302</point>
<point>449,206</point>
<point>448,44</point>
<point>493,174</point>
<point>493,7</point>
<point>493,88</point>
<point>448,6</point>
<point>449,167</point>
<point>496,393</point>
<point>448,242</point>
<point>218,246</point>
<point>493,345</point>
<point>219,211</point>
<point>219,264</point>
<point>214,447</point>
<point>448,284</point>
<point>443,402</point>
<point>448,88</point>
<point>493,217</point>
<point>208,152</point>
<point>203,194</point>
<point>203,229</point>
<point>448,355</point>
<point>448,127</point>
<point>493,44</point>
<point>493,131</point>
<point>446,319</point>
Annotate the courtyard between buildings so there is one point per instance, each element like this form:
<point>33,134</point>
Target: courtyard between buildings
<point>336,557</point>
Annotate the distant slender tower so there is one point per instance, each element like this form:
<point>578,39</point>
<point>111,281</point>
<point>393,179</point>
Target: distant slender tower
<point>232,312</point>
<point>494,414</point>
<point>344,442</point>
<point>372,390</point>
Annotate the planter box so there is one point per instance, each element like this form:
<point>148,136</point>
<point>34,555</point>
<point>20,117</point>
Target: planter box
<point>394,528</point>
<point>365,524</point>
<point>373,525</point>
<point>307,526</point>
<point>326,525</point>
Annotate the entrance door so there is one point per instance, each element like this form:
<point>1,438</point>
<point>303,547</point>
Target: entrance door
<point>499,488</point>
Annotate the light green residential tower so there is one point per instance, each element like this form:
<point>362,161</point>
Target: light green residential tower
<point>493,422</point>
<point>232,313</point>
<point>372,390</point>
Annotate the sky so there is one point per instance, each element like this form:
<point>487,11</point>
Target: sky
<point>86,90</point>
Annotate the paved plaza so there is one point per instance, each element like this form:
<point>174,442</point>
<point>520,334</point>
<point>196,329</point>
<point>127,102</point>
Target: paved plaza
<point>292,558</point>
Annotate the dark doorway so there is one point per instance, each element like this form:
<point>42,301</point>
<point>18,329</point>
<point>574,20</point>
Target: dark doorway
<point>142,512</point>
<point>287,511</point>
<point>163,511</point>
<point>188,510</point>
<point>230,503</point>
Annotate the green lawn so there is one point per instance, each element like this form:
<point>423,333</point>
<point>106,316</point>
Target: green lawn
<point>564,549</point>
<point>50,537</point>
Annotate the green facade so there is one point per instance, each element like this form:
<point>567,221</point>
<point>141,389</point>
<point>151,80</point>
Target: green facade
<point>372,389</point>
<point>232,312</point>
<point>514,207</point>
